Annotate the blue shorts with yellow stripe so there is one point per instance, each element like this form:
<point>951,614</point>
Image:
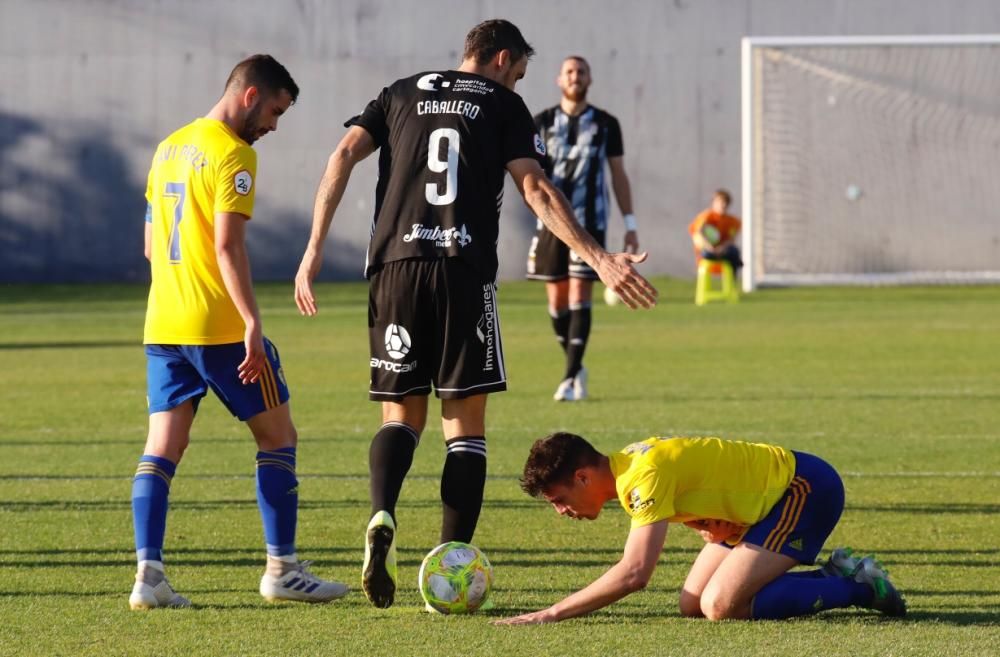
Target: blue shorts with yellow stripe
<point>801,521</point>
<point>177,373</point>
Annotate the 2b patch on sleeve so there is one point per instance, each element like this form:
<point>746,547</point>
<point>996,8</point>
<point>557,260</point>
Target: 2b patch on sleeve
<point>243,182</point>
<point>539,145</point>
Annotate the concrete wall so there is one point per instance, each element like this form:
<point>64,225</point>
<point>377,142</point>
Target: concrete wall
<point>88,87</point>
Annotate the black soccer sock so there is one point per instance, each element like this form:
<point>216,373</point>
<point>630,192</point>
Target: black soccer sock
<point>579,332</point>
<point>389,459</point>
<point>462,483</point>
<point>560,324</point>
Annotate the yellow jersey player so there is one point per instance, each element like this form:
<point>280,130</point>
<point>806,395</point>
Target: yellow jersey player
<point>203,329</point>
<point>761,509</point>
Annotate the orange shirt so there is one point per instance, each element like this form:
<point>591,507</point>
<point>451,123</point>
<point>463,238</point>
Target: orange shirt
<point>727,225</point>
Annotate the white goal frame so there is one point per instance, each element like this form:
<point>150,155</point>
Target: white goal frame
<point>750,144</point>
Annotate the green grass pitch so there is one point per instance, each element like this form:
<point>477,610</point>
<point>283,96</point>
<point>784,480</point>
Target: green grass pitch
<point>899,388</point>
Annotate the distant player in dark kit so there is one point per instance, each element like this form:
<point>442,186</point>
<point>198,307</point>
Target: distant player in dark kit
<point>582,142</point>
<point>446,141</point>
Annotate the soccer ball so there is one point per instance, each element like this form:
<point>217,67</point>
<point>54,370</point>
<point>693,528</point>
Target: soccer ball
<point>397,341</point>
<point>711,234</point>
<point>455,578</point>
<point>610,297</point>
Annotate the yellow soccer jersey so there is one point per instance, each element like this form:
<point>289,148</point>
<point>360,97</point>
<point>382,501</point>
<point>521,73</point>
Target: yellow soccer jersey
<point>199,170</point>
<point>682,479</point>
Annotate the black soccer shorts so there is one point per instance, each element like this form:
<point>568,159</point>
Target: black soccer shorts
<point>433,323</point>
<point>551,260</point>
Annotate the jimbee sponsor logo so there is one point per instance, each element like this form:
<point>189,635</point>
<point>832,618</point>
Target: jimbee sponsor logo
<point>442,237</point>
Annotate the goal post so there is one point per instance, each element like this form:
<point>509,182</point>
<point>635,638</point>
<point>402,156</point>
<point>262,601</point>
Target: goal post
<point>871,160</point>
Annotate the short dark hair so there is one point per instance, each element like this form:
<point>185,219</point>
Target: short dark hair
<point>488,38</point>
<point>554,459</point>
<point>265,73</point>
<point>580,59</point>
<point>724,195</point>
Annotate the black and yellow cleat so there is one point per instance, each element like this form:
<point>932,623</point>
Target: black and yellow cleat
<point>378,576</point>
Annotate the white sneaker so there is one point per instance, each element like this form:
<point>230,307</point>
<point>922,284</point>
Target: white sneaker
<point>301,585</point>
<point>565,391</point>
<point>580,385</point>
<point>147,596</point>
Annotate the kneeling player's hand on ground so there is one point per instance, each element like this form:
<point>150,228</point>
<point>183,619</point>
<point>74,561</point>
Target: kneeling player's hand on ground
<point>534,618</point>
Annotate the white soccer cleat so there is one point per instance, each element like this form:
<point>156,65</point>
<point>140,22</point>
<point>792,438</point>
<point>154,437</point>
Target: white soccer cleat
<point>580,385</point>
<point>565,391</point>
<point>842,563</point>
<point>147,596</point>
<point>300,585</point>
<point>885,597</point>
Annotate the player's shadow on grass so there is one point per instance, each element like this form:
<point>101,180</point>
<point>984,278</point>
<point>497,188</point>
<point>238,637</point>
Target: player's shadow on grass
<point>222,504</point>
<point>847,395</point>
<point>16,346</point>
<point>128,551</point>
<point>103,442</point>
<point>942,508</point>
<point>961,618</point>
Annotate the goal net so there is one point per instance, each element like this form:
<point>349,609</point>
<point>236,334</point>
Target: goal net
<point>871,160</point>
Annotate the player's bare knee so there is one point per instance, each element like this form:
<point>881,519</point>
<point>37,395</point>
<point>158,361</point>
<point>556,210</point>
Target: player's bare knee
<point>718,607</point>
<point>170,447</point>
<point>690,605</point>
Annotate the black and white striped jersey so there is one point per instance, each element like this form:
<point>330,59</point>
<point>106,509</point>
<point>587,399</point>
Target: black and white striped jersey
<point>445,139</point>
<point>577,151</point>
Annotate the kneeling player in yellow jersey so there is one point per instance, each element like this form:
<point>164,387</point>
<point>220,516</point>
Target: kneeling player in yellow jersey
<point>761,509</point>
<point>203,329</point>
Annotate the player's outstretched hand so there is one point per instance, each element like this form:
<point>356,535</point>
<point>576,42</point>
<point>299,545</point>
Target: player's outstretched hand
<point>253,364</point>
<point>534,618</point>
<point>617,271</point>
<point>304,297</point>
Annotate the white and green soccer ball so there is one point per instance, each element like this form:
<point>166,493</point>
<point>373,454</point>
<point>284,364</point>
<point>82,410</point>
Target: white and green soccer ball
<point>455,578</point>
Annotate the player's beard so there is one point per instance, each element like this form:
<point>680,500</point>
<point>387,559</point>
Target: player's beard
<point>572,94</point>
<point>249,131</point>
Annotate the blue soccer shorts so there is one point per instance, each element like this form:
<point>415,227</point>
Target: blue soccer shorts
<point>177,373</point>
<point>801,521</point>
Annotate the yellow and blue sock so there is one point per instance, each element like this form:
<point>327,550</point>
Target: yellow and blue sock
<point>278,499</point>
<point>791,595</point>
<point>150,490</point>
